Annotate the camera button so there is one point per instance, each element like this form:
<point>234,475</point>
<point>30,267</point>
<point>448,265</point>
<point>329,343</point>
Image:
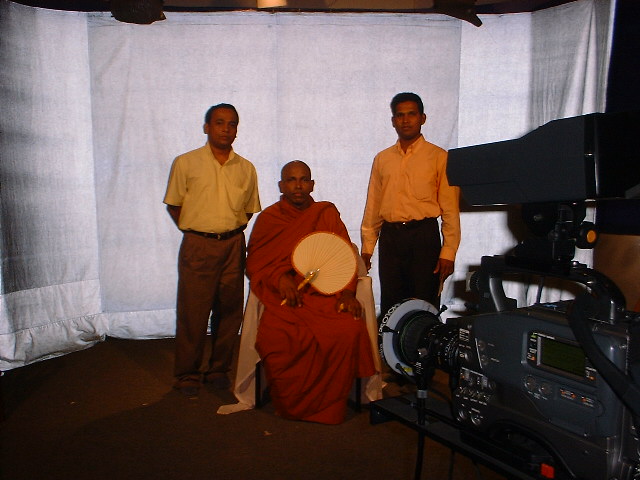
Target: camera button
<point>530,383</point>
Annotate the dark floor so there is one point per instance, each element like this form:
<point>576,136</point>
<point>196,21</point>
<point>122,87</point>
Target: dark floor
<point>109,412</point>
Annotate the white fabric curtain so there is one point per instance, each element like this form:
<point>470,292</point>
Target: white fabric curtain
<point>50,301</point>
<point>95,110</point>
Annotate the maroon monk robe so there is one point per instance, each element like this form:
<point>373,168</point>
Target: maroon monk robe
<point>311,354</point>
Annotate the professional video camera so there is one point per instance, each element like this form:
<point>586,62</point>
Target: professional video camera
<point>550,388</point>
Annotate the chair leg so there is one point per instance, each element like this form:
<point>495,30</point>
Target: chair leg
<point>261,397</point>
<point>1,397</point>
<point>258,393</point>
<point>358,402</point>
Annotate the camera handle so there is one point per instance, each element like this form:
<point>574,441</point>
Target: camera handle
<point>609,301</point>
<point>623,385</point>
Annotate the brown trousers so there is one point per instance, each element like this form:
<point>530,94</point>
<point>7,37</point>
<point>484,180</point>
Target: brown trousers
<point>210,286</point>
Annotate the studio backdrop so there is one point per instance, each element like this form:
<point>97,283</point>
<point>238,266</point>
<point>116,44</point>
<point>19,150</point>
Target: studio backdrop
<point>94,111</point>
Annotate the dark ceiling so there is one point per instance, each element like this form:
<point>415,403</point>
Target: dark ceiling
<point>463,9</point>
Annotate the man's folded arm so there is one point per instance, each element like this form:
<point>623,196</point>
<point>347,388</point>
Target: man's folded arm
<point>174,211</point>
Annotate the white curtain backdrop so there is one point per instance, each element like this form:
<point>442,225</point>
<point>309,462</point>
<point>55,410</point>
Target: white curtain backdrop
<point>95,111</point>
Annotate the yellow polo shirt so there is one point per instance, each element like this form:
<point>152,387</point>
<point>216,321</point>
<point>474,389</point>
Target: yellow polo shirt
<point>214,198</point>
<point>411,185</point>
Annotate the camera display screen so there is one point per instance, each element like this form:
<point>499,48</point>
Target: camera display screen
<point>562,356</point>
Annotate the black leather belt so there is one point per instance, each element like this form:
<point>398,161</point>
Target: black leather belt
<point>218,236</point>
<point>407,225</point>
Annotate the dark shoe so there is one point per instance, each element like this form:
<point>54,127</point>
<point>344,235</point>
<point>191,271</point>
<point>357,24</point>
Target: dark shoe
<point>189,391</point>
<point>219,381</point>
<point>187,388</point>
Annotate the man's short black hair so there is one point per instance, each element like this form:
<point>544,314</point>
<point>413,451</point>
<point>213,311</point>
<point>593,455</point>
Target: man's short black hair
<point>406,97</point>
<point>207,116</point>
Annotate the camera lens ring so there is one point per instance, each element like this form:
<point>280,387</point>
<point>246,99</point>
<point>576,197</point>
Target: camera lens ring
<point>412,330</point>
<point>389,329</point>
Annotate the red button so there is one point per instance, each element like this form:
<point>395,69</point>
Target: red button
<point>547,471</point>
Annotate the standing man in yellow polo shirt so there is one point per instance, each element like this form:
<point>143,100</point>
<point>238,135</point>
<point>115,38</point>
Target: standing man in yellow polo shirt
<point>408,191</point>
<point>211,195</point>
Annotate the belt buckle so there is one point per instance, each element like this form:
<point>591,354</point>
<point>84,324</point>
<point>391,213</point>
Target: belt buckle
<point>217,236</point>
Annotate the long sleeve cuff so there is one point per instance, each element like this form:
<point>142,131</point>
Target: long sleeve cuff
<point>369,238</point>
<point>448,253</point>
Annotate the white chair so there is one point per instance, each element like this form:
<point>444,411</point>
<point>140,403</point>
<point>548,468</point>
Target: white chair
<point>249,383</point>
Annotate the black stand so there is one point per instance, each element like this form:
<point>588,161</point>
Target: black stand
<point>439,426</point>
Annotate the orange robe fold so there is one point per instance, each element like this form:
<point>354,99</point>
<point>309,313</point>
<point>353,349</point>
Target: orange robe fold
<point>311,354</point>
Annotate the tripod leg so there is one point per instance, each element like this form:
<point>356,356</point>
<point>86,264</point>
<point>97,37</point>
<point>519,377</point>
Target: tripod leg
<point>419,456</point>
<point>451,458</point>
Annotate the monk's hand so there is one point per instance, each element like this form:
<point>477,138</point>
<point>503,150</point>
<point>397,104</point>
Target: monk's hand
<point>289,291</point>
<point>347,302</point>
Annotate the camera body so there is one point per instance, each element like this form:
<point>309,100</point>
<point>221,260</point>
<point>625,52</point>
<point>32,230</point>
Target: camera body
<point>525,384</point>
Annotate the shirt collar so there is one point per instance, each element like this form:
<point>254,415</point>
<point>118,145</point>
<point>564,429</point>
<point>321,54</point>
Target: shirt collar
<point>417,144</point>
<point>232,153</point>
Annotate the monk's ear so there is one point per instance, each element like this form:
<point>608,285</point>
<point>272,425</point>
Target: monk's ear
<point>280,186</point>
<point>313,183</point>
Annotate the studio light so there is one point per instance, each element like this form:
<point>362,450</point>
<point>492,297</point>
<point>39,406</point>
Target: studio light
<point>141,12</point>
<point>462,9</point>
<point>271,3</point>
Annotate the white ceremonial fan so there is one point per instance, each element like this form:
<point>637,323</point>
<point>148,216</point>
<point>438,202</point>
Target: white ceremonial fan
<point>326,260</point>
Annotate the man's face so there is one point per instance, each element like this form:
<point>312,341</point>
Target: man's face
<point>222,128</point>
<point>296,185</point>
<point>407,120</point>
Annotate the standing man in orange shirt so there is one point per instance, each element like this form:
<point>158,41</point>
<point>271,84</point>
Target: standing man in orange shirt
<point>211,195</point>
<point>408,191</point>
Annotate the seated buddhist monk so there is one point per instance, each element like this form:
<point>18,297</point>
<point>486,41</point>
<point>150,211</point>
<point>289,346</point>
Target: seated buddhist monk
<point>312,345</point>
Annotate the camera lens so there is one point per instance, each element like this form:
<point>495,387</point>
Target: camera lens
<point>422,331</point>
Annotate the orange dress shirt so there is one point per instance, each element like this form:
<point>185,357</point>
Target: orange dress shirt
<point>412,185</point>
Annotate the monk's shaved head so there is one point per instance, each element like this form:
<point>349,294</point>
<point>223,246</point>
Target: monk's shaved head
<point>295,163</point>
<point>296,184</point>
